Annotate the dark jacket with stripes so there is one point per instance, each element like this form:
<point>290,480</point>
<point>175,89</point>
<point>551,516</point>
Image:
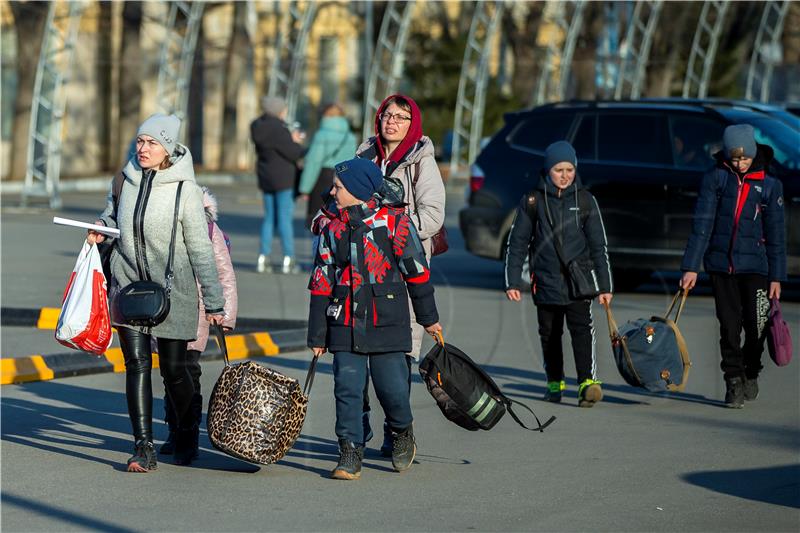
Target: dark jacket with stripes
<point>739,222</point>
<point>532,236</point>
<point>369,260</point>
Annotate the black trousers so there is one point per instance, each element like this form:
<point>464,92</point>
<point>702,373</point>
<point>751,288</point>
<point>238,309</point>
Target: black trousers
<point>138,384</point>
<point>742,304</point>
<point>193,366</point>
<point>579,322</point>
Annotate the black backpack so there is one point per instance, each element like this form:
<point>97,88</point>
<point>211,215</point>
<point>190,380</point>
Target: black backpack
<point>465,393</point>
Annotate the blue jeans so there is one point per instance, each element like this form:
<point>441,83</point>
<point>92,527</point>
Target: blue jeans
<point>390,376</point>
<point>280,205</point>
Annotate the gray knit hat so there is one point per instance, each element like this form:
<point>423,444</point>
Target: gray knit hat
<point>273,105</point>
<point>739,141</point>
<point>163,128</point>
<point>559,152</point>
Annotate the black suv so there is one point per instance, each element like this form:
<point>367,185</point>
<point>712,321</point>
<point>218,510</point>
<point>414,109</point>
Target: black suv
<point>643,160</point>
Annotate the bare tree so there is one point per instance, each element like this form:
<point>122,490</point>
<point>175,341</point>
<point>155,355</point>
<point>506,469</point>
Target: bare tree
<point>583,61</point>
<point>238,61</point>
<point>104,80</point>
<point>29,20</point>
<point>672,43</point>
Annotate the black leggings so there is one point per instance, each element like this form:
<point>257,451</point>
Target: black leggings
<point>138,384</point>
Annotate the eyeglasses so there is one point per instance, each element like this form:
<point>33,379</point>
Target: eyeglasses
<point>397,118</point>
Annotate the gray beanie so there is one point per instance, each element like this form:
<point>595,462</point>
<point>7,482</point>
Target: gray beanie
<point>163,128</point>
<point>273,105</point>
<point>739,141</point>
<point>559,152</point>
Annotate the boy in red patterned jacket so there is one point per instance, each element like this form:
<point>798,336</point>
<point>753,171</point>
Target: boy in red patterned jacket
<point>369,258</point>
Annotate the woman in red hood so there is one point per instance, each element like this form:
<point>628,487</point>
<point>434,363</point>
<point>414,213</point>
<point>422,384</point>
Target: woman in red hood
<point>406,157</point>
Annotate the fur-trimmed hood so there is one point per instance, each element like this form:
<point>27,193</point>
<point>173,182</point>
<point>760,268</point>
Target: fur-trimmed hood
<point>210,205</point>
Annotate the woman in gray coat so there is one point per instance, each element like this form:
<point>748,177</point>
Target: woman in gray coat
<point>143,212</point>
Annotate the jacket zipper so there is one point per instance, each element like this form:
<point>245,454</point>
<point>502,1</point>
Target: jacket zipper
<point>731,269</point>
<point>139,248</point>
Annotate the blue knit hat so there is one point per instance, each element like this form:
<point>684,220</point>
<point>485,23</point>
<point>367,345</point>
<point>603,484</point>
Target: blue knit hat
<point>361,177</point>
<point>739,140</point>
<point>163,128</point>
<point>559,152</point>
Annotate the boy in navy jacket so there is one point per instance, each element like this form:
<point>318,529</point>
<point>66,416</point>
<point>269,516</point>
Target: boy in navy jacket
<point>369,260</point>
<point>740,236</point>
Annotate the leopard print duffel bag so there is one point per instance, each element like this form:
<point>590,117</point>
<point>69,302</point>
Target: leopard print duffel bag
<point>256,413</point>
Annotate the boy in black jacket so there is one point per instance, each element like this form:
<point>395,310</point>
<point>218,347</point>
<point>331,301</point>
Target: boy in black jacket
<point>561,211</point>
<point>739,235</point>
<point>368,262</point>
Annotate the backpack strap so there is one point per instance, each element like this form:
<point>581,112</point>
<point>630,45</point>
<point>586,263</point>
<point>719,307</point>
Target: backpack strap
<point>540,428</point>
<point>584,204</point>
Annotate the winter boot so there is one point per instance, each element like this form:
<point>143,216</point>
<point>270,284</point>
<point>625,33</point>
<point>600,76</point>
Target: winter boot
<point>386,447</point>
<point>751,389</point>
<point>186,443</point>
<point>144,457</point>
<point>168,448</point>
<point>734,394</point>
<point>404,449</point>
<point>350,457</point>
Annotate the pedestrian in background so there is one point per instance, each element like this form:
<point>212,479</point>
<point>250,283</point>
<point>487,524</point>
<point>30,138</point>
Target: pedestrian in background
<point>553,213</point>
<point>333,142</point>
<point>368,262</point>
<point>227,278</point>
<point>279,152</point>
<point>739,235</point>
<point>144,214</point>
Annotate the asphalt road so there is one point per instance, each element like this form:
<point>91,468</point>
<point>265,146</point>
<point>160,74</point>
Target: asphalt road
<point>635,462</point>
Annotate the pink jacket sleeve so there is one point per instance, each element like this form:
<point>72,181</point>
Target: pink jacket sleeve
<point>227,277</point>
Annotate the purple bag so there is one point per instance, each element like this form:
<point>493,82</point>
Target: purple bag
<point>779,340</point>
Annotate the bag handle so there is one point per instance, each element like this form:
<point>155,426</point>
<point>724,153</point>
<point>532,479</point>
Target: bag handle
<point>613,329</point>
<point>683,294</point>
<point>540,427</point>
<point>169,274</point>
<point>223,346</point>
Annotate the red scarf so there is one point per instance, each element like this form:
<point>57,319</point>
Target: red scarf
<point>414,131</point>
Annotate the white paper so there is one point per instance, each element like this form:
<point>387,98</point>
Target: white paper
<point>99,228</point>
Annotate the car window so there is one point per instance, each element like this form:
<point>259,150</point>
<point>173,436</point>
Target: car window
<point>538,132</point>
<point>633,138</point>
<point>695,140</point>
<point>583,142</point>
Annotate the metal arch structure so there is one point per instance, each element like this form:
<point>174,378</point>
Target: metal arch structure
<point>704,48</point>
<point>567,17</point>
<point>470,103</point>
<point>49,102</point>
<point>177,55</point>
<point>286,71</point>
<point>387,59</point>
<point>766,50</point>
<point>638,40</point>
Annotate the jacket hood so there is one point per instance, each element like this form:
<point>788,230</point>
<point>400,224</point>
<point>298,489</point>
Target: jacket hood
<point>414,130</point>
<point>338,124</point>
<point>210,205</point>
<point>763,159</point>
<point>182,168</point>
<point>422,148</point>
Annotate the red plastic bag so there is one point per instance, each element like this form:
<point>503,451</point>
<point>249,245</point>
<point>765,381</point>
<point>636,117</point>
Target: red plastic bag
<point>84,322</point>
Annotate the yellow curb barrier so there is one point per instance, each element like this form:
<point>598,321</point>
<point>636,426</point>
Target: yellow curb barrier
<point>48,318</point>
<point>31,368</point>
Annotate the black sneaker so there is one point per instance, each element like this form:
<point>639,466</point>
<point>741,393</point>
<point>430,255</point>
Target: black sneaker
<point>144,457</point>
<point>350,457</point>
<point>734,395</point>
<point>751,389</point>
<point>168,448</point>
<point>404,449</point>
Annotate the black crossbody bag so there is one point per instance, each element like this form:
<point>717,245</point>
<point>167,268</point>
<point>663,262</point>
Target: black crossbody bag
<point>581,275</point>
<point>145,303</point>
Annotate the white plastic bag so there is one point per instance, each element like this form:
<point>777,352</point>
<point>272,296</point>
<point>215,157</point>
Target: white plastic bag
<point>85,322</point>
